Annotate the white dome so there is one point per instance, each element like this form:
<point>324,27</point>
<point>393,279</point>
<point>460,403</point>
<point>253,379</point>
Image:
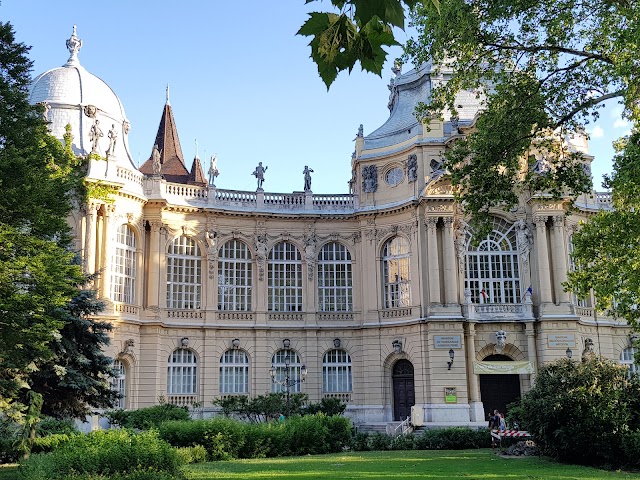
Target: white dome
<point>99,125</point>
<point>72,85</point>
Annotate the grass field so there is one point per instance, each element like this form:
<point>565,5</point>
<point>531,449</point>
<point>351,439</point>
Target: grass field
<point>405,465</point>
<point>401,465</point>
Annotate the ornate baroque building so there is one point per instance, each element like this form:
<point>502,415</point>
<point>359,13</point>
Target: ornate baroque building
<point>379,293</point>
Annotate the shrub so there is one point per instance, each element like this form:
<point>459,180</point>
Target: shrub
<point>50,442</point>
<point>53,426</point>
<point>328,405</point>
<point>360,442</point>
<point>195,454</point>
<point>109,453</point>
<point>262,408</point>
<point>146,418</point>
<point>582,412</point>
<point>379,441</point>
<point>225,438</point>
<point>457,438</point>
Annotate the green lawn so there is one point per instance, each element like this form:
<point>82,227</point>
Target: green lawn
<point>423,464</point>
<point>401,465</point>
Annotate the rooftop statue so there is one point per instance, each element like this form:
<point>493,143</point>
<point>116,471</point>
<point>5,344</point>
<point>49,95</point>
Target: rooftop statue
<point>259,174</point>
<point>307,178</point>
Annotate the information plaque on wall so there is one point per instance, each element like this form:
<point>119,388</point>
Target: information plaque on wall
<point>447,341</point>
<point>561,341</point>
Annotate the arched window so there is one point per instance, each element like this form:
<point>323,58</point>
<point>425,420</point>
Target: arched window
<point>334,278</point>
<point>395,273</point>
<point>285,278</point>
<point>336,371</point>
<point>234,276</point>
<point>182,372</point>
<point>492,268</point>
<point>184,274</point>
<point>578,302</point>
<point>119,382</point>
<point>282,360</point>
<point>628,357</point>
<point>123,266</point>
<point>234,372</point>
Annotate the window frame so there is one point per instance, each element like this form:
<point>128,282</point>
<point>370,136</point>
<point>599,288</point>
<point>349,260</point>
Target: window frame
<point>335,278</point>
<point>337,372</point>
<point>184,274</point>
<point>179,369</point>
<point>284,278</point>
<point>241,270</point>
<point>396,293</point>
<point>124,265</point>
<point>234,372</point>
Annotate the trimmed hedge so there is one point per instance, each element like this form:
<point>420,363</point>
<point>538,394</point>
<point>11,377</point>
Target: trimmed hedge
<point>119,454</point>
<point>457,438</point>
<point>146,418</point>
<point>225,438</point>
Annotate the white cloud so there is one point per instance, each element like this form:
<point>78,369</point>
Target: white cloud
<point>620,123</point>
<point>597,132</point>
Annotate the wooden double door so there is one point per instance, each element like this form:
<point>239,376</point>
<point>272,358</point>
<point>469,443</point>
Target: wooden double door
<point>404,393</point>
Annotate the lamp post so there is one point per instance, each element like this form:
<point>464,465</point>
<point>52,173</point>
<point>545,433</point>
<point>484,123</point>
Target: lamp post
<point>288,382</point>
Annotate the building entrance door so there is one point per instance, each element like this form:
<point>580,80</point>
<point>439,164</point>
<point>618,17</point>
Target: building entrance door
<point>404,395</point>
<point>498,391</point>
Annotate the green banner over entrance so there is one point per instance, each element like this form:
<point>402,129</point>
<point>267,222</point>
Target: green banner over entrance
<point>502,368</point>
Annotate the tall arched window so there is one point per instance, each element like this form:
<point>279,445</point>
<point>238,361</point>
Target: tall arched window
<point>492,268</point>
<point>123,266</point>
<point>628,357</point>
<point>579,302</point>
<point>119,382</point>
<point>279,362</point>
<point>184,273</point>
<point>182,372</point>
<point>234,372</point>
<point>334,278</point>
<point>234,276</point>
<point>395,273</point>
<point>285,278</point>
<point>336,371</point>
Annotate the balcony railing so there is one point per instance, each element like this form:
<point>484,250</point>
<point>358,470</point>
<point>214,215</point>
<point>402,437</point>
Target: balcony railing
<point>182,400</point>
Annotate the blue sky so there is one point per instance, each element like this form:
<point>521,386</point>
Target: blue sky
<point>241,84</point>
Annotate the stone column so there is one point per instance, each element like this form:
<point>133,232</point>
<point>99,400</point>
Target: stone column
<point>432,255</point>
<point>90,244</point>
<point>542,251</point>
<point>106,251</point>
<point>476,412</point>
<point>559,259</point>
<point>471,355</point>
<point>153,282</point>
<point>450,274</point>
<point>531,347</point>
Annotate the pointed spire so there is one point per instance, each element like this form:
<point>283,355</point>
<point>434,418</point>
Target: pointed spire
<point>168,103</point>
<point>196,148</point>
<point>74,44</point>
<point>171,158</point>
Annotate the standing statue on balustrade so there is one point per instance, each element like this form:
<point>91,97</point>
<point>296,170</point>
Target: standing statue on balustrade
<point>259,174</point>
<point>307,178</point>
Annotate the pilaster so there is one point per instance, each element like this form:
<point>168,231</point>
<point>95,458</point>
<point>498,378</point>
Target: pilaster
<point>432,254</point>
<point>542,250</point>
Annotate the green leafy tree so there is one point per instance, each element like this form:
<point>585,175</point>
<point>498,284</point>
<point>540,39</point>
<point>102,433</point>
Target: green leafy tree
<point>542,69</point>
<point>262,408</point>
<point>49,345</point>
<point>358,33</point>
<point>582,412</point>
<point>607,248</point>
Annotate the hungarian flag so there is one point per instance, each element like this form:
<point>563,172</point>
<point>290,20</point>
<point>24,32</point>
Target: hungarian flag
<point>484,295</point>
